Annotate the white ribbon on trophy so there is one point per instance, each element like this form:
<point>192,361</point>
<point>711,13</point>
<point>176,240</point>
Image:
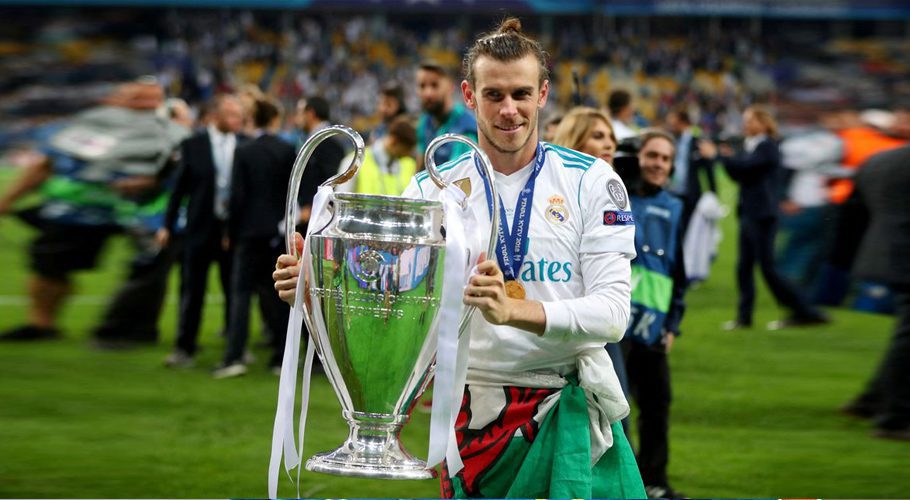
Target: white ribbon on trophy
<point>447,392</point>
<point>283,430</point>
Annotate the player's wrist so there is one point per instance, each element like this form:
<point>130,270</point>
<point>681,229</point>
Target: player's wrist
<point>511,307</point>
<point>525,315</point>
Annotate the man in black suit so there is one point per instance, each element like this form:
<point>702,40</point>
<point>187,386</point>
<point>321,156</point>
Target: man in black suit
<point>313,115</point>
<point>882,184</point>
<point>756,170</point>
<point>204,180</point>
<point>692,174</point>
<point>262,169</point>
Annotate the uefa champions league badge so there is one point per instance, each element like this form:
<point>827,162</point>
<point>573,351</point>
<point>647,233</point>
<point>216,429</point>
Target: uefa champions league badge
<point>617,193</point>
<point>557,213</point>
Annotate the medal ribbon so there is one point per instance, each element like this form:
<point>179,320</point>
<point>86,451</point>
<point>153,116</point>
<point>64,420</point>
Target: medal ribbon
<point>513,243</point>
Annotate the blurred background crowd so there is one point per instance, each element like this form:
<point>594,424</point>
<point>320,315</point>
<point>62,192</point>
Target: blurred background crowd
<point>60,61</point>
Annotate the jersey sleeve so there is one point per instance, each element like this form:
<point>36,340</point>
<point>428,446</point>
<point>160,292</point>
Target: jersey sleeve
<point>602,314</point>
<point>607,212</point>
<point>413,190</point>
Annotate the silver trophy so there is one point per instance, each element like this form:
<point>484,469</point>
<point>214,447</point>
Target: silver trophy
<point>371,309</point>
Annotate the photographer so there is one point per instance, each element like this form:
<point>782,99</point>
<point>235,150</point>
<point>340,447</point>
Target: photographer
<point>756,170</point>
<point>658,286</point>
<point>692,174</point>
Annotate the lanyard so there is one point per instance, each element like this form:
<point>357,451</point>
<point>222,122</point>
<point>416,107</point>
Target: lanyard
<point>513,244</point>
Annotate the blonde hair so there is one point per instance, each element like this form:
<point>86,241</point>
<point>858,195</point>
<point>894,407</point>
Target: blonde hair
<point>578,125</point>
<point>764,116</point>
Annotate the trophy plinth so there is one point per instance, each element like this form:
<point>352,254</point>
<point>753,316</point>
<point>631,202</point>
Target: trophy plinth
<point>372,451</point>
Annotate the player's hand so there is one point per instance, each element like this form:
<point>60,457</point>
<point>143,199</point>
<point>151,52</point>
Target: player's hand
<point>163,237</point>
<point>667,339</point>
<point>287,271</point>
<point>487,292</point>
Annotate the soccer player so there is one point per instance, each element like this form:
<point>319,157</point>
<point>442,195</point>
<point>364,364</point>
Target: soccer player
<point>541,409</point>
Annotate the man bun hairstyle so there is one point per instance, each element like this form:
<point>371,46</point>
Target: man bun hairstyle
<point>507,43</point>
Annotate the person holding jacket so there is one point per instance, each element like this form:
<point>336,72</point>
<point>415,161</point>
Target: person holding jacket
<point>756,169</point>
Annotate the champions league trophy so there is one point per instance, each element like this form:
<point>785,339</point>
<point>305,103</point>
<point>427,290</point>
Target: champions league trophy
<point>374,281</point>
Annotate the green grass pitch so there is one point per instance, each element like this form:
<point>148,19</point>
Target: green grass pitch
<point>754,413</point>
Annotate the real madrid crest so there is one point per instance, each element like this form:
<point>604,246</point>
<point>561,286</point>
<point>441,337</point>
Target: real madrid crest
<point>557,213</point>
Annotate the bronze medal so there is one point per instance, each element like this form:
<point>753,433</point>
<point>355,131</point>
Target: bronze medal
<point>515,290</point>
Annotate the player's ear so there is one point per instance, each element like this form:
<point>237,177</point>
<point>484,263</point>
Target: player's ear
<point>470,99</point>
<point>544,93</point>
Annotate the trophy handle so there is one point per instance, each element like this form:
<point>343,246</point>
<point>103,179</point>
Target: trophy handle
<point>488,178</point>
<point>293,210</point>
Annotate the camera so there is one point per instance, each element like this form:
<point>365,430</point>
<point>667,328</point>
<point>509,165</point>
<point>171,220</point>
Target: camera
<point>625,162</point>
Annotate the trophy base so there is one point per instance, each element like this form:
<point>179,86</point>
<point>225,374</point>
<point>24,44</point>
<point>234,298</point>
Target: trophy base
<point>346,462</point>
<point>372,451</point>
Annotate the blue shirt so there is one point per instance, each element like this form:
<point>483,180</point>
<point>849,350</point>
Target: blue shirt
<point>460,121</point>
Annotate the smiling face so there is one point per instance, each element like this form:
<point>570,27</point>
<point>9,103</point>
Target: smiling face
<point>656,159</point>
<point>506,98</point>
<point>600,141</point>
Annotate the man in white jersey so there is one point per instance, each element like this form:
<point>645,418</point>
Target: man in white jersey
<point>540,412</point>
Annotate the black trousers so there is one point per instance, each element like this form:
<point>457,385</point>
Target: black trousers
<point>756,245</point>
<point>888,393</point>
<point>254,261</point>
<point>649,382</point>
<point>132,315</point>
<point>198,256</point>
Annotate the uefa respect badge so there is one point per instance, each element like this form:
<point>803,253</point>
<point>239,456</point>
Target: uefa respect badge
<point>618,218</point>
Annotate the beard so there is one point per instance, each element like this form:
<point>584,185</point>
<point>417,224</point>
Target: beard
<point>435,108</point>
<point>488,133</point>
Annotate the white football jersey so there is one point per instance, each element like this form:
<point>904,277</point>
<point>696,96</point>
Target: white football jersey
<point>581,240</point>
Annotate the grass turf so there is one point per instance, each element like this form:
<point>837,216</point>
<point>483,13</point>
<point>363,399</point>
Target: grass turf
<point>754,412</point>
